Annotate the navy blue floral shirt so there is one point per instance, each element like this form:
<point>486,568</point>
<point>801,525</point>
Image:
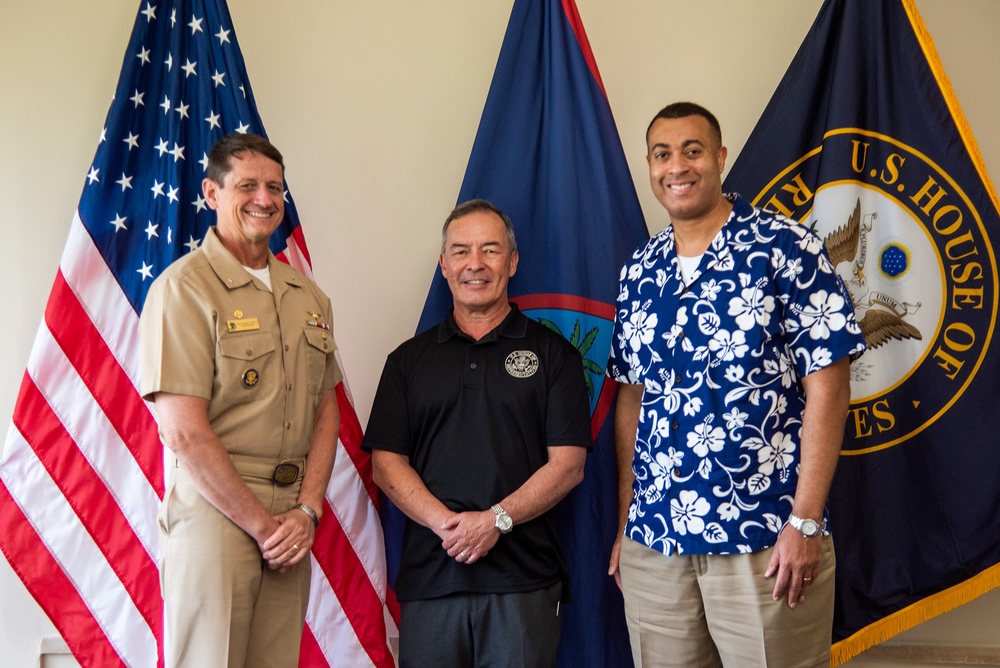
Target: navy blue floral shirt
<point>717,447</point>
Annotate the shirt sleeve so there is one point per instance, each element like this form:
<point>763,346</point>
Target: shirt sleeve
<point>819,314</point>
<point>177,342</point>
<point>622,359</point>
<point>389,422</point>
<point>567,416</point>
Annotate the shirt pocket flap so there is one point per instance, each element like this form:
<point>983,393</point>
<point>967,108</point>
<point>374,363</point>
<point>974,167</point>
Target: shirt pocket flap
<point>319,339</point>
<point>247,346</point>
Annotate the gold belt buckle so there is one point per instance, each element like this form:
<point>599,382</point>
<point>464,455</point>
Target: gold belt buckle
<point>285,474</point>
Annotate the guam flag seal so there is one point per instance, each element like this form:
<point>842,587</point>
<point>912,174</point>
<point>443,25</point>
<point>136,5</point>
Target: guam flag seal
<point>864,142</point>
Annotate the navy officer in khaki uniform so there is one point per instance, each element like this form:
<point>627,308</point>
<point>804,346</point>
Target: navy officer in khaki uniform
<point>238,362</point>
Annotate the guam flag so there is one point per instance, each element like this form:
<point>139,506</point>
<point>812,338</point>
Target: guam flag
<point>548,153</point>
<point>864,142</point>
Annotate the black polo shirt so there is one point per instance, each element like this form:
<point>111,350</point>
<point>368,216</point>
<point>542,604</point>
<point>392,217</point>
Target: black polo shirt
<point>475,419</point>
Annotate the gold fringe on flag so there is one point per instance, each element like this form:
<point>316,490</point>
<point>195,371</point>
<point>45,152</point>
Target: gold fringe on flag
<point>914,614</point>
<point>927,44</point>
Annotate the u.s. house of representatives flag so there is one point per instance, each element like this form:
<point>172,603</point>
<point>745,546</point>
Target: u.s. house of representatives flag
<point>865,142</point>
<point>547,152</point>
<point>82,471</point>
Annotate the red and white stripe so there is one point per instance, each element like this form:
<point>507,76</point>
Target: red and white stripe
<point>82,475</point>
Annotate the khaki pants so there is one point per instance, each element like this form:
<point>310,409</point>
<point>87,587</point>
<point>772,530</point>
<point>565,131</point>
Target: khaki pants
<point>222,605</point>
<point>716,610</point>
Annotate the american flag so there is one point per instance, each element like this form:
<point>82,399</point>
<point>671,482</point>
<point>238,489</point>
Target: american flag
<point>81,476</point>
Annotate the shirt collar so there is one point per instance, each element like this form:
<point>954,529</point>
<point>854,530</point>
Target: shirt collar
<point>742,209</point>
<point>513,327</point>
<point>231,272</point>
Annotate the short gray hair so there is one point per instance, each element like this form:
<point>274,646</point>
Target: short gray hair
<point>472,206</point>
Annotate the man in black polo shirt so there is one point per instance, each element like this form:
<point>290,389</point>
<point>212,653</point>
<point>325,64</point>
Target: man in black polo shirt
<point>479,427</point>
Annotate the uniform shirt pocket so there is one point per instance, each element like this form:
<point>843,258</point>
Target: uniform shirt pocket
<point>320,346</point>
<point>246,366</point>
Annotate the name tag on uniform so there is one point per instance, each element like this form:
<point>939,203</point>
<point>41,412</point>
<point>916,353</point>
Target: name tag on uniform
<point>242,325</point>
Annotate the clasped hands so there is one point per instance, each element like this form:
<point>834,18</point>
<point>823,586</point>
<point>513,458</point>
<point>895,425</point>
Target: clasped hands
<point>469,536</point>
<point>290,541</point>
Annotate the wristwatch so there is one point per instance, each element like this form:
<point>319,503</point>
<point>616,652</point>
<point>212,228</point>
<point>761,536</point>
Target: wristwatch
<point>807,527</point>
<point>501,520</point>
<point>310,512</point>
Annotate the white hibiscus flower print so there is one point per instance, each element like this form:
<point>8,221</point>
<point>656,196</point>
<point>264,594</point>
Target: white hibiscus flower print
<point>639,329</point>
<point>752,308</point>
<point>660,469</point>
<point>727,346</point>
<point>823,314</point>
<point>706,438</point>
<point>777,456</point>
<point>687,511</point>
<point>787,370</point>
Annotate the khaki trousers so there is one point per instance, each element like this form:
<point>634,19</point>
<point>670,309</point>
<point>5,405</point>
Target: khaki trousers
<point>716,610</point>
<point>222,605</point>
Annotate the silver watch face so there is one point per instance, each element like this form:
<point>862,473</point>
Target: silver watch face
<point>809,528</point>
<point>504,522</point>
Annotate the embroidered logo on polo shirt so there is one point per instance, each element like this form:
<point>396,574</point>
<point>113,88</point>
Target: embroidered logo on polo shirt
<point>522,363</point>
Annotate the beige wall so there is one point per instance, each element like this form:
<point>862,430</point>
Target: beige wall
<point>375,105</point>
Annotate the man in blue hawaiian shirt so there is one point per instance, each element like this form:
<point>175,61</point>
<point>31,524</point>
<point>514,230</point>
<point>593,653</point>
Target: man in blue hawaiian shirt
<point>733,341</point>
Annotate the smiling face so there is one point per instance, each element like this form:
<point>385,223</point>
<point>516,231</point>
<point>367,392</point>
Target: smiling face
<point>477,263</point>
<point>249,203</point>
<point>685,160</point>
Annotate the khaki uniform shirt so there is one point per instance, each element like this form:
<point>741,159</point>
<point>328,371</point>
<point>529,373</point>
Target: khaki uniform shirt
<point>262,359</point>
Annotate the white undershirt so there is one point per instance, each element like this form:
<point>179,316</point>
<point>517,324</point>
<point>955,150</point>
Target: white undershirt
<point>688,266</point>
<point>263,274</point>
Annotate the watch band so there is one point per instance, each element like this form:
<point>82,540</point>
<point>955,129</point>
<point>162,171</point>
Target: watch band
<point>502,520</point>
<point>310,512</point>
<point>799,524</point>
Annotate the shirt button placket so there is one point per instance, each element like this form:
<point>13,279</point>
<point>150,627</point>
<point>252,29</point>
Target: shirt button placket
<point>473,368</point>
